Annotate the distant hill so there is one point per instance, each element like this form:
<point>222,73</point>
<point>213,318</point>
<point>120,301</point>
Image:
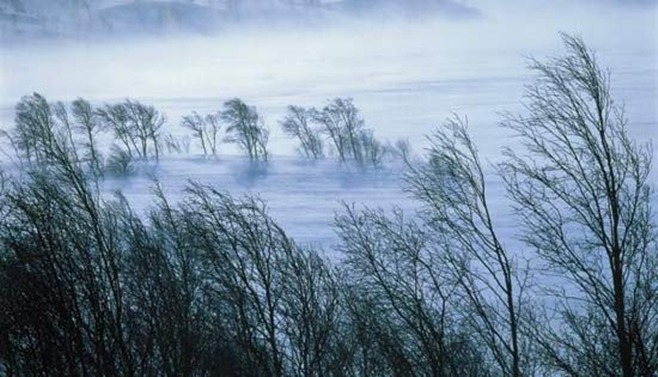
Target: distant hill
<point>410,7</point>
<point>159,16</point>
<point>79,18</point>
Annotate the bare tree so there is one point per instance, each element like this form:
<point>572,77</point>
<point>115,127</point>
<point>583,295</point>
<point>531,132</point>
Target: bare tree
<point>297,124</point>
<point>311,316</point>
<point>65,314</point>
<point>242,249</point>
<point>279,303</point>
<point>245,128</point>
<point>581,188</point>
<point>196,124</point>
<point>452,187</point>
<point>43,137</point>
<point>372,150</point>
<point>394,266</point>
<point>212,131</point>
<point>205,129</point>
<point>342,123</point>
<point>350,139</point>
<point>401,150</point>
<point>115,117</point>
<point>34,133</point>
<point>88,123</point>
<point>136,125</point>
<point>146,124</point>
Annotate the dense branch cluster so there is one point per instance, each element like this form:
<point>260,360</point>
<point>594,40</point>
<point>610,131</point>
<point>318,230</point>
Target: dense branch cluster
<point>212,286</point>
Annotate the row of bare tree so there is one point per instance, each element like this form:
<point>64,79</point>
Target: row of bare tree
<point>344,129</point>
<point>137,132</point>
<point>212,286</point>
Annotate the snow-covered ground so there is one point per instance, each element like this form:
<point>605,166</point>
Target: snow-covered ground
<point>406,77</point>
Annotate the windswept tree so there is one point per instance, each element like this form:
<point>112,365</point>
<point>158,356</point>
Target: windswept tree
<point>45,133</point>
<point>342,124</point>
<point>401,150</point>
<point>298,124</point>
<point>350,138</point>
<point>34,134</point>
<point>279,304</point>
<point>404,300</point>
<point>146,125</point>
<point>452,187</point>
<point>246,129</point>
<point>581,186</point>
<point>115,118</point>
<point>213,126</point>
<point>136,125</point>
<point>372,150</point>
<point>89,125</point>
<point>312,316</point>
<point>205,129</point>
<point>61,295</point>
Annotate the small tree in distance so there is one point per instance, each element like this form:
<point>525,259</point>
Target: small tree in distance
<point>350,138</point>
<point>341,123</point>
<point>213,127</point>
<point>136,125</point>
<point>246,129</point>
<point>297,124</point>
<point>34,133</point>
<point>89,124</point>
<point>205,129</point>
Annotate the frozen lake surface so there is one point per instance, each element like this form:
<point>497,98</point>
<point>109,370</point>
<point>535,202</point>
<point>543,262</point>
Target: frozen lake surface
<point>406,77</point>
<point>302,195</point>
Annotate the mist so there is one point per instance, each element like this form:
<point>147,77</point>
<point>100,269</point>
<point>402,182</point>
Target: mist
<point>407,71</point>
